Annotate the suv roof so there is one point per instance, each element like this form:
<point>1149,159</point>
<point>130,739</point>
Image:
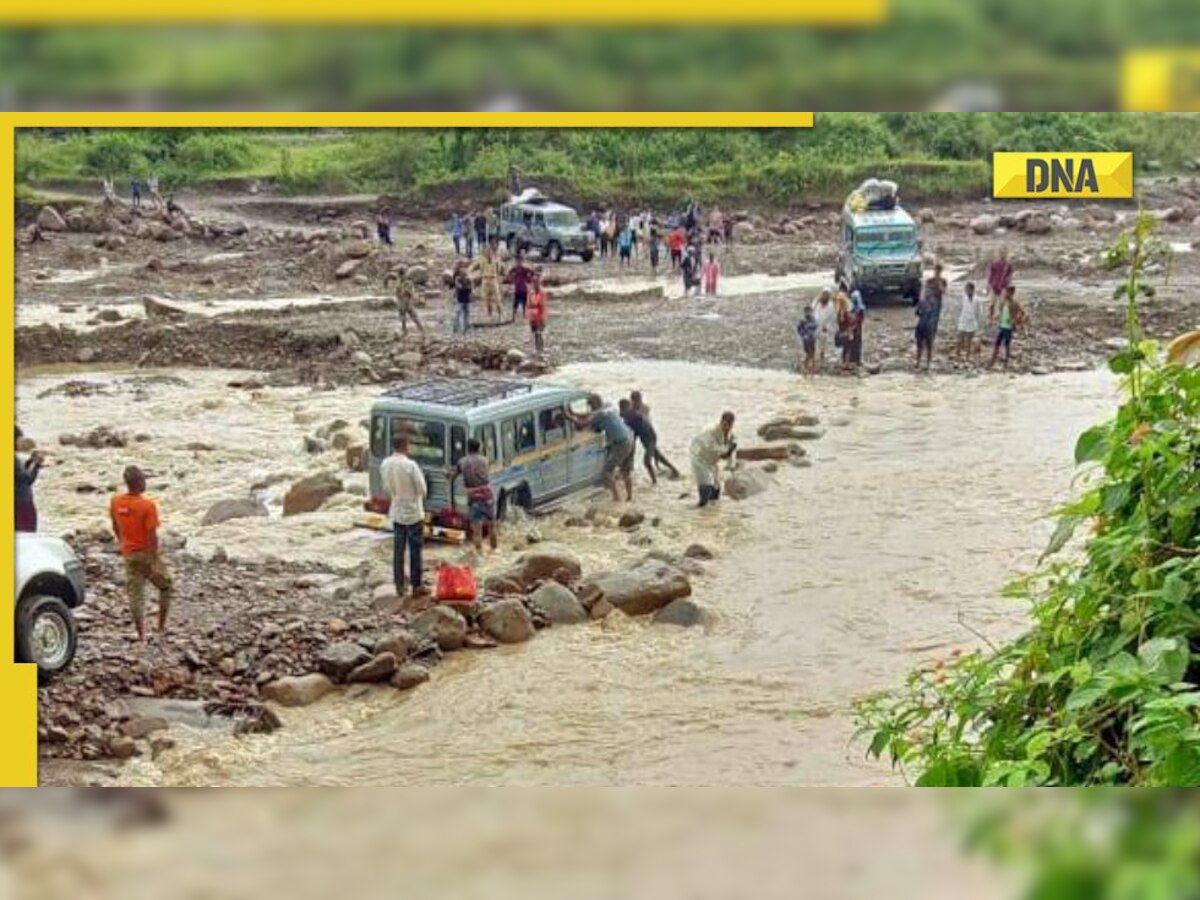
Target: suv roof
<point>541,205</point>
<point>870,217</point>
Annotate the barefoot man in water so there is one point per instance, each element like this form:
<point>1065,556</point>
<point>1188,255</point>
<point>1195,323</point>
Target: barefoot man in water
<point>135,524</point>
<point>708,448</point>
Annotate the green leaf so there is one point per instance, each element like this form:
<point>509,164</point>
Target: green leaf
<point>1085,695</point>
<point>1037,745</point>
<point>1063,532</point>
<point>1175,590</point>
<point>950,773</point>
<point>1125,362</point>
<point>1092,444</point>
<point>1181,768</point>
<point>1165,658</point>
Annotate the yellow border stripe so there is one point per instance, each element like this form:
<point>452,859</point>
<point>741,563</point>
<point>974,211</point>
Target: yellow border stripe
<point>415,120</point>
<point>1161,80</point>
<point>457,12</point>
<point>18,684</point>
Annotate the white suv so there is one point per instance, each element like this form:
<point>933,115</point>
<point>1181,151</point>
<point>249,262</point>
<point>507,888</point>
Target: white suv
<point>50,583</point>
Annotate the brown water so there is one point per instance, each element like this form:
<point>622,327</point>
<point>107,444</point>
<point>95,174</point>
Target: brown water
<point>925,495</point>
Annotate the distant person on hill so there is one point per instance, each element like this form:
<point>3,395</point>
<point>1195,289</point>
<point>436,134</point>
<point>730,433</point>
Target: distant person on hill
<point>456,233</point>
<point>135,523</point>
<point>654,249</point>
<point>135,191</point>
<point>406,306</point>
<point>625,245</point>
<point>520,276</point>
<point>1007,315</point>
<point>711,275</point>
<point>929,314</point>
<point>537,313</point>
<point>28,468</point>
<point>708,449</point>
<point>383,227</point>
<point>675,242</point>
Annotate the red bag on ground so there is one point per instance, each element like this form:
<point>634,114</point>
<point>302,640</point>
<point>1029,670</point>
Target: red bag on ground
<point>455,584</point>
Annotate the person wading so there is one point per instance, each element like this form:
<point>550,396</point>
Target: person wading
<point>639,408</point>
<point>481,501</point>
<point>404,482</point>
<point>1007,315</point>
<point>618,459</point>
<point>708,449</point>
<point>135,523</point>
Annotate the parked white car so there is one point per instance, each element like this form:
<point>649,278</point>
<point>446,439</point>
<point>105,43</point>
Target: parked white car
<point>49,584</point>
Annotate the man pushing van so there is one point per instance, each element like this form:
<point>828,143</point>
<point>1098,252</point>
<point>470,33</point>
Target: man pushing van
<point>618,459</point>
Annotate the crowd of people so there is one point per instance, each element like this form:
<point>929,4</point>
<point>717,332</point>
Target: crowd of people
<point>838,316</point>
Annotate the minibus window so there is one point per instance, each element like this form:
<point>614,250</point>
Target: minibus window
<point>554,425</point>
<point>379,437</point>
<point>508,438</point>
<point>426,440</point>
<point>486,435</point>
<point>458,443</point>
<point>526,437</point>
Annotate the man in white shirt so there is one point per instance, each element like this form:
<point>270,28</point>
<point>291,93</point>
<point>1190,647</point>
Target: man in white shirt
<point>404,482</point>
<point>968,324</point>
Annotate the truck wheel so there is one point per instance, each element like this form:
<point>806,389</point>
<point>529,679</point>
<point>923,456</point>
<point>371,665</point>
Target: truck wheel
<point>45,633</point>
<point>587,255</point>
<point>555,250</point>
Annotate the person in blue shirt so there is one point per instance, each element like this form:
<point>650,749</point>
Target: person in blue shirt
<point>456,233</point>
<point>625,245</point>
<point>135,191</point>
<point>807,329</point>
<point>618,458</point>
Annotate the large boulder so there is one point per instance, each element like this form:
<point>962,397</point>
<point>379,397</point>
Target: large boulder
<point>683,612</point>
<point>547,561</point>
<point>984,224</point>
<point>745,483</point>
<point>298,690</point>
<point>379,668</point>
<point>49,219</point>
<point>507,621</point>
<point>158,308</point>
<point>417,274</point>
<point>441,625</point>
<point>309,493</point>
<point>647,587</point>
<point>240,508</point>
<point>558,604</point>
<point>338,660</point>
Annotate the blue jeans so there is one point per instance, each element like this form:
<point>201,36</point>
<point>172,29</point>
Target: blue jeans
<point>462,317</point>
<point>411,537</point>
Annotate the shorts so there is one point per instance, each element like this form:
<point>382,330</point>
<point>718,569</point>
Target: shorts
<point>619,458</point>
<point>141,567</point>
<point>481,511</point>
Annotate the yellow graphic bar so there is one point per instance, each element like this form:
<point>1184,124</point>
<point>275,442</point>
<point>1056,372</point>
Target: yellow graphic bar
<point>458,12</point>
<point>1161,80</point>
<point>413,120</point>
<point>1062,175</point>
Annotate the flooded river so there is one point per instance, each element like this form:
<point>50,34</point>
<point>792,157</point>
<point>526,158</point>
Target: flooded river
<point>925,496</point>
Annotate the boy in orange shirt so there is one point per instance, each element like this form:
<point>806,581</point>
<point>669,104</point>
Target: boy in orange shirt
<point>135,523</point>
<point>537,313</point>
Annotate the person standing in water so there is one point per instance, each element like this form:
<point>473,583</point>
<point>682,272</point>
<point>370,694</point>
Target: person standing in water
<point>135,524</point>
<point>28,469</point>
<point>618,458</point>
<point>481,501</point>
<point>638,406</point>
<point>404,483</point>
<point>708,449</point>
<point>644,431</point>
<point>968,325</point>
<point>1007,315</point>
<point>929,314</point>
<point>710,274</point>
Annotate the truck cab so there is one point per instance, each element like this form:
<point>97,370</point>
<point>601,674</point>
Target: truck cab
<point>879,252</point>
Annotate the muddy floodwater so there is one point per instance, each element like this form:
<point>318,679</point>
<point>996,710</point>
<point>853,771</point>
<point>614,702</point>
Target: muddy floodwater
<point>925,495</point>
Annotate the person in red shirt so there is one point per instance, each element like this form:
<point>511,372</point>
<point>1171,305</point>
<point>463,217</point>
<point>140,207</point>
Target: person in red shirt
<point>1000,273</point>
<point>537,312</point>
<point>135,524</point>
<point>675,241</point>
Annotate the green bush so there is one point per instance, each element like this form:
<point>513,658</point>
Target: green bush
<point>1103,687</point>
<point>116,154</point>
<point>208,152</point>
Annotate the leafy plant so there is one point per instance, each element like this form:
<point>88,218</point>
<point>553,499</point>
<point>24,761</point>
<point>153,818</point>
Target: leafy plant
<point>1102,688</point>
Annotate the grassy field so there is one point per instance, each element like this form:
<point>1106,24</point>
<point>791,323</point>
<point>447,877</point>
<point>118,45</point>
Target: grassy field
<point>933,155</point>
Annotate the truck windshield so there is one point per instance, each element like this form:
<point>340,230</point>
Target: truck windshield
<point>562,220</point>
<point>875,239</point>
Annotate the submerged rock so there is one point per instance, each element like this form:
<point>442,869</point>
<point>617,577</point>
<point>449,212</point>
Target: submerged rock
<point>409,676</point>
<point>507,621</point>
<point>309,493</point>
<point>240,508</point>
<point>682,612</point>
<point>746,483</point>
<point>547,561</point>
<point>558,604</point>
<point>298,690</point>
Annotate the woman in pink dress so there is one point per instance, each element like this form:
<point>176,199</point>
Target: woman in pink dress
<point>710,274</point>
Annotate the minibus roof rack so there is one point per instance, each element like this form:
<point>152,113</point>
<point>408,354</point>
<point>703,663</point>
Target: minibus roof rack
<point>458,391</point>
